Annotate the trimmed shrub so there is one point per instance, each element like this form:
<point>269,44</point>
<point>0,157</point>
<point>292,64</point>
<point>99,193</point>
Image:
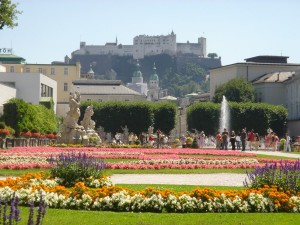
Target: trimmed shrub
<point>137,116</point>
<point>165,114</point>
<point>258,116</point>
<point>203,116</point>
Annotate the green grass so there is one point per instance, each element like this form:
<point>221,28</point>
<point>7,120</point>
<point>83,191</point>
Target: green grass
<point>67,217</point>
<point>175,188</point>
<point>8,172</point>
<point>272,157</point>
<point>110,172</point>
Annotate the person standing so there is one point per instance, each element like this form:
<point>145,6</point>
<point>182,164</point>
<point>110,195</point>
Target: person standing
<point>158,134</point>
<point>257,141</point>
<point>275,142</point>
<point>218,140</point>
<point>238,141</point>
<point>118,138</point>
<point>225,139</point>
<point>232,140</point>
<point>243,139</point>
<point>287,144</point>
<point>201,138</point>
<point>251,139</point>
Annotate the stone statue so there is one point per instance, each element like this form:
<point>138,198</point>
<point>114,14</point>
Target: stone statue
<point>73,133</point>
<point>70,126</point>
<point>125,134</point>
<point>89,126</point>
<point>87,122</point>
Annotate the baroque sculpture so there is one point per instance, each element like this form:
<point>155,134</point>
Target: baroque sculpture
<point>79,134</point>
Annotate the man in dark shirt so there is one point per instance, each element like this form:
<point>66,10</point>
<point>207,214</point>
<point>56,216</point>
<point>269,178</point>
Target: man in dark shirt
<point>225,139</point>
<point>243,139</point>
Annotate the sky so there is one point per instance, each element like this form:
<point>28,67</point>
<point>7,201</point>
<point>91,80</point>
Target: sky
<point>235,29</point>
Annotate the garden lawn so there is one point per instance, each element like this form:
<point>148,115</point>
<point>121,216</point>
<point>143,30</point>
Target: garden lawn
<point>75,217</point>
<point>175,188</point>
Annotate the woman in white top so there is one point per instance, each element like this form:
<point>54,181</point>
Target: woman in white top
<point>238,141</point>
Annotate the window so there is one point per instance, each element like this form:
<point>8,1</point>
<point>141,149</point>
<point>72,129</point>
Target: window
<point>46,91</point>
<point>12,69</point>
<point>66,71</point>
<point>27,70</point>
<point>40,70</point>
<point>65,86</point>
<point>52,71</point>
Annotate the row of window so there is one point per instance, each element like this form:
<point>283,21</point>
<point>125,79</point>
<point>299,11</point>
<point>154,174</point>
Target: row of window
<point>40,70</point>
<point>46,91</point>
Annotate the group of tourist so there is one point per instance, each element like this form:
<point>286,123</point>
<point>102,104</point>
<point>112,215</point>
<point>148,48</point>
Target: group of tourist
<point>253,140</point>
<point>222,140</point>
<point>155,140</point>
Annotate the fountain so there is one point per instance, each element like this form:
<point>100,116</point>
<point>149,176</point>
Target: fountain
<point>224,117</point>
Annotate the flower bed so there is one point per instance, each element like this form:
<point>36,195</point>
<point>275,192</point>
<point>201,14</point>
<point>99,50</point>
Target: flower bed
<point>35,157</point>
<point>28,188</point>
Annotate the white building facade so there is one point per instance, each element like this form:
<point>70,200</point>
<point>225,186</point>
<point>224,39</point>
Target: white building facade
<point>275,83</point>
<point>7,93</point>
<point>31,87</point>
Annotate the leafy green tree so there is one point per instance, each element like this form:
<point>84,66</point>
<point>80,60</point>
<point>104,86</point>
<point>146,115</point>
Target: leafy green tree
<point>235,90</point>
<point>212,55</point>
<point>19,115</point>
<point>194,72</point>
<point>8,14</point>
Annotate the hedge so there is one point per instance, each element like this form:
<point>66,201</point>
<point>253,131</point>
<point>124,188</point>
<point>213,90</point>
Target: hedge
<point>138,116</point>
<point>258,116</point>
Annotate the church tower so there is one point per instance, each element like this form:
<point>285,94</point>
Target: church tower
<point>154,90</point>
<point>137,84</point>
<point>137,75</point>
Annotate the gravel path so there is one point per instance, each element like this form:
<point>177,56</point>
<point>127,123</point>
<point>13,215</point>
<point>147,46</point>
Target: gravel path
<point>217,179</point>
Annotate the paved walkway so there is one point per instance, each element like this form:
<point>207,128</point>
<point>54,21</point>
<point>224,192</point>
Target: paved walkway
<point>217,179</point>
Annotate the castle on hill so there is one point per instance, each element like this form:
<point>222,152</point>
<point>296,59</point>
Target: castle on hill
<point>144,45</point>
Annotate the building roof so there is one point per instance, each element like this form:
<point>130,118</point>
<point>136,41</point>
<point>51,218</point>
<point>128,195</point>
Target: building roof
<point>268,59</point>
<point>94,82</point>
<point>255,64</point>
<point>103,87</point>
<point>138,72</point>
<point>154,76</point>
<point>10,58</point>
<point>277,77</point>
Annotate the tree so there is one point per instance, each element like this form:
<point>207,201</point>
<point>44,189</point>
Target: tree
<point>235,90</point>
<point>212,55</point>
<point>8,14</point>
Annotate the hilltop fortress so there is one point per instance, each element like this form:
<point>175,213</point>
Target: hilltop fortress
<point>144,45</point>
